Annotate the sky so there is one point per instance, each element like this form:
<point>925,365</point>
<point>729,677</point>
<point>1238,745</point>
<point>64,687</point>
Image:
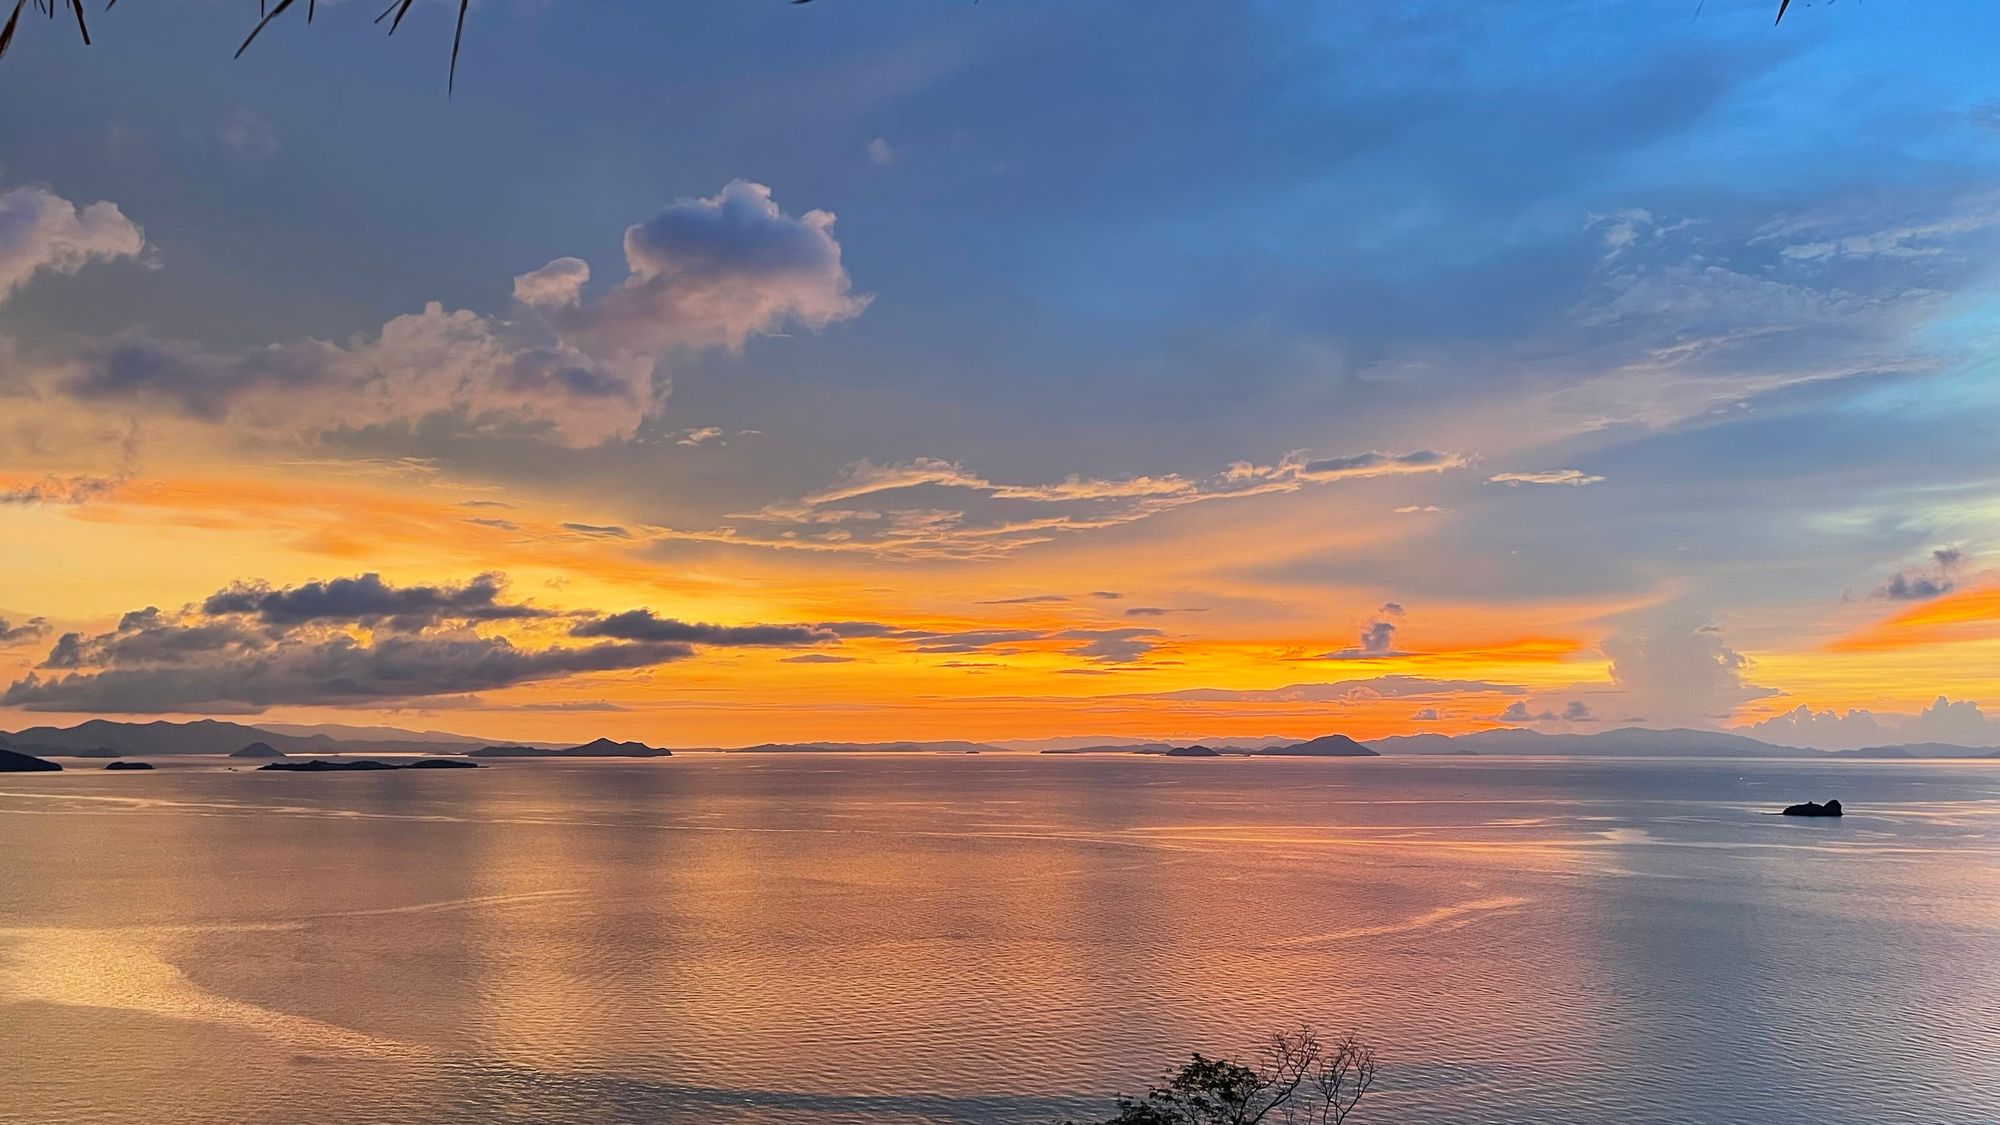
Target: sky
<point>713,374</point>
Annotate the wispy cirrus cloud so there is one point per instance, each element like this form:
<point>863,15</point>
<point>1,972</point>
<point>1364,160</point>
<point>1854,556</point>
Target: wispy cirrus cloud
<point>994,518</point>
<point>1546,476</point>
<point>1348,691</point>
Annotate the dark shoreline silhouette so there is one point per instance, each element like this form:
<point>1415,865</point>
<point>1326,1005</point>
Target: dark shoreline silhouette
<point>11,762</point>
<point>1813,808</point>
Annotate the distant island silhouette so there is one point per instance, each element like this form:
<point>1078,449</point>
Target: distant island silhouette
<point>599,748</point>
<point>365,765</point>
<point>109,738</point>
<point>1813,808</point>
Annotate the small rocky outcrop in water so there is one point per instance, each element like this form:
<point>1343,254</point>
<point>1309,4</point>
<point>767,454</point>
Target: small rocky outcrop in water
<point>11,762</point>
<point>442,764</point>
<point>259,750</point>
<point>1193,752</point>
<point>129,766</point>
<point>1814,808</point>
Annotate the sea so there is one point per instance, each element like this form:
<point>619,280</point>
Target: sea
<point>812,939</point>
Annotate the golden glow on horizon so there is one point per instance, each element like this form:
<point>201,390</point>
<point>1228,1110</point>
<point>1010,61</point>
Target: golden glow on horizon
<point>175,538</point>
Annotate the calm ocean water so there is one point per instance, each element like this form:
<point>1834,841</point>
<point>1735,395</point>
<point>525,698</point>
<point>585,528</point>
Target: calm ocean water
<point>806,939</point>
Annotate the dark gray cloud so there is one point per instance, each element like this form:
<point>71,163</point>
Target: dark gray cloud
<point>1379,464</point>
<point>62,490</point>
<point>367,598</point>
<point>329,671</point>
<point>433,364</point>
<point>966,640</point>
<point>1378,637</point>
<point>1517,712</point>
<point>33,629</point>
<point>1924,584</point>
<point>1111,646</point>
<point>251,647</point>
<point>599,531</point>
<point>642,625</point>
<point>817,658</point>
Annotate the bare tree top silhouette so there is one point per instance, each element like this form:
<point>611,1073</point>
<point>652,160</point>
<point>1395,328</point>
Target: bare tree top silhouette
<point>267,12</point>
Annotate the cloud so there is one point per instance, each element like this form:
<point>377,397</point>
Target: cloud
<point>1517,712</point>
<point>1679,675</point>
<point>367,599</point>
<point>1577,711</point>
<point>1922,585</point>
<point>41,231</point>
<point>1959,723</point>
<point>1426,715</point>
<point>428,365</point>
<point>642,625</point>
<point>705,273</point>
<point>1550,476</point>
<point>1111,646</point>
<point>699,435</point>
<point>1378,637</point>
<point>29,631</point>
<point>349,641</point>
<point>817,658</point>
<point>1375,464</point>
<point>1826,730</point>
<point>992,521</point>
<point>249,676</point>
<point>598,530</point>
<point>62,490</point>
<point>880,151</point>
<point>966,640</point>
<point>557,285</point>
<point>1858,234</point>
